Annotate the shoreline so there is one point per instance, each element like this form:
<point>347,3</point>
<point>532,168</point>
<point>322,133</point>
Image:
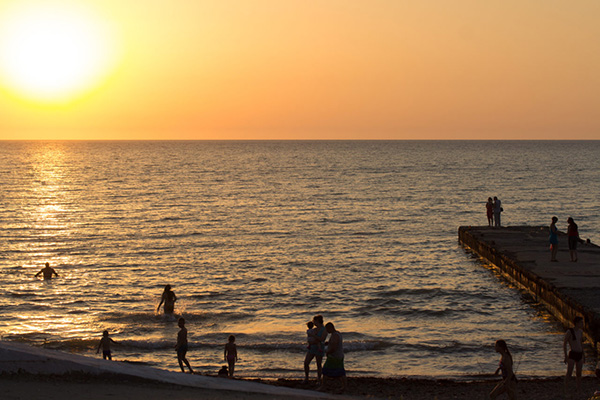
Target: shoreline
<point>92,387</point>
<point>34,373</point>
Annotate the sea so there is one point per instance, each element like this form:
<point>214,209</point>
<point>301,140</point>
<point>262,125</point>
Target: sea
<point>257,237</point>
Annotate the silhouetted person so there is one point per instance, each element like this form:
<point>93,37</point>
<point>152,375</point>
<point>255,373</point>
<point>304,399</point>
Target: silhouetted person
<point>105,344</point>
<point>182,346</point>
<point>508,384</point>
<point>223,373</point>
<point>573,237</point>
<point>47,271</point>
<point>334,365</point>
<point>168,297</point>
<point>489,210</point>
<point>230,354</point>
<point>316,350</point>
<point>553,239</point>
<point>497,210</point>
<point>576,357</point>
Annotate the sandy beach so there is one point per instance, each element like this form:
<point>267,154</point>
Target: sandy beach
<point>27,386</point>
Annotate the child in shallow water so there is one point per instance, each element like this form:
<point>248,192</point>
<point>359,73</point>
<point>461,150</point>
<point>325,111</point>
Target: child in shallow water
<point>105,344</point>
<point>230,354</point>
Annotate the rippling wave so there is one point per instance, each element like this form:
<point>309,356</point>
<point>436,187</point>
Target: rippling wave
<point>257,237</point>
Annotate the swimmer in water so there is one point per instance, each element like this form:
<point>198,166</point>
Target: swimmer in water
<point>47,271</point>
<point>169,298</point>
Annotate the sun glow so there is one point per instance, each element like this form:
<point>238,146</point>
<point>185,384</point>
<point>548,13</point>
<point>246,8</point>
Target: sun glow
<point>53,52</point>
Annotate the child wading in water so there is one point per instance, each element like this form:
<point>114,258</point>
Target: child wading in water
<point>509,380</point>
<point>230,354</point>
<point>182,346</point>
<point>105,344</point>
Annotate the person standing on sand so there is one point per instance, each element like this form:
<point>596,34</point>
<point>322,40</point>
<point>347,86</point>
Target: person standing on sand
<point>508,384</point>
<point>576,357</point>
<point>47,271</point>
<point>230,354</point>
<point>497,210</point>
<point>553,239</point>
<point>169,298</point>
<point>182,346</point>
<point>573,237</point>
<point>316,350</point>
<point>105,344</point>
<point>489,208</point>
<point>334,365</point>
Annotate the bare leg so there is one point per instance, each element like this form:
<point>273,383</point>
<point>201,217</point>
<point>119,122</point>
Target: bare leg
<point>307,361</point>
<point>570,365</point>
<point>319,367</point>
<point>578,368</point>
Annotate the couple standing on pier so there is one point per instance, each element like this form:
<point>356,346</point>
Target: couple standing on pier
<point>494,209</point>
<point>573,239</point>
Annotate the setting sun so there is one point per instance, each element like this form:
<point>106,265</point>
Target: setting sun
<point>53,52</point>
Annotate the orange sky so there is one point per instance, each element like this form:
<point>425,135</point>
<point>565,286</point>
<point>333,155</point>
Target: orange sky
<point>335,69</point>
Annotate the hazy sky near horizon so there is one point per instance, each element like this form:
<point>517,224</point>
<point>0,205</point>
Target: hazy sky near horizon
<point>329,69</point>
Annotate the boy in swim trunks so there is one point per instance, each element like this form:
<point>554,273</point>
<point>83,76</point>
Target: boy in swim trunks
<point>105,344</point>
<point>576,357</point>
<point>182,346</point>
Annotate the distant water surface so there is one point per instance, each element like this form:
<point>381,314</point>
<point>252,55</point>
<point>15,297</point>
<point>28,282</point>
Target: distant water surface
<point>257,237</point>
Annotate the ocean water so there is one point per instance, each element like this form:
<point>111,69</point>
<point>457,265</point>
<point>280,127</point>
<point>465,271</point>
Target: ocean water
<point>257,237</point>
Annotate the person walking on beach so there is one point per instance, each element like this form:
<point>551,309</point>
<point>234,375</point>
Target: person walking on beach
<point>334,365</point>
<point>489,208</point>
<point>169,298</point>
<point>553,239</point>
<point>575,357</point>
<point>497,210</point>
<point>316,350</point>
<point>182,346</point>
<point>230,354</point>
<point>47,271</point>
<point>573,237</point>
<point>105,344</point>
<point>508,384</point>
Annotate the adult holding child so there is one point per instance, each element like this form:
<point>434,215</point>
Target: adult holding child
<point>316,349</point>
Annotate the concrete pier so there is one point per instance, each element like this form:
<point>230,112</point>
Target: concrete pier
<point>522,253</point>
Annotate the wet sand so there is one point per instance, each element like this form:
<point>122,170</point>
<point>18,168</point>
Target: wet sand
<point>426,389</point>
<point>27,386</point>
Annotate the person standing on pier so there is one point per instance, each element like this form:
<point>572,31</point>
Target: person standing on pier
<point>497,210</point>
<point>489,208</point>
<point>575,357</point>
<point>553,239</point>
<point>573,234</point>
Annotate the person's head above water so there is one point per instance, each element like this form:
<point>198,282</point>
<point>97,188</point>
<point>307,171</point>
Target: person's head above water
<point>167,288</point>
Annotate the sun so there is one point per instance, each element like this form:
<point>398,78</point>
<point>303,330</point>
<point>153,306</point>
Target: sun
<point>54,51</point>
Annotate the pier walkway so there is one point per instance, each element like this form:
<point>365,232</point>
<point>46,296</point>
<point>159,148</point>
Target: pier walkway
<point>522,253</point>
